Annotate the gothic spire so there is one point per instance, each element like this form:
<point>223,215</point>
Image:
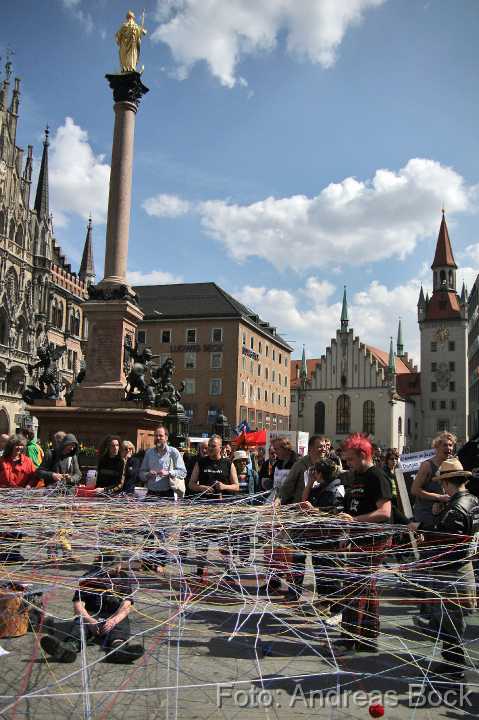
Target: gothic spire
<point>443,257</point>
<point>41,198</point>
<point>421,302</point>
<point>303,373</point>
<point>463,294</point>
<point>392,359</point>
<point>400,344</point>
<point>344,312</point>
<point>87,267</point>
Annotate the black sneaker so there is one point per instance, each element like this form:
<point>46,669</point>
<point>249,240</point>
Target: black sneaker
<point>125,654</point>
<point>58,650</point>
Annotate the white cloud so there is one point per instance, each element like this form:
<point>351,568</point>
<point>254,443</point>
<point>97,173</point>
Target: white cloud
<point>154,277</point>
<point>79,179</point>
<point>168,206</point>
<point>84,18</point>
<point>473,252</point>
<point>306,318</point>
<point>354,222</point>
<point>221,33</point>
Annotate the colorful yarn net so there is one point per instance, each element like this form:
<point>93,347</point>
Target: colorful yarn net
<point>212,620</point>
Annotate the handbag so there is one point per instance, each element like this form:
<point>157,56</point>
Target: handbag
<point>176,484</point>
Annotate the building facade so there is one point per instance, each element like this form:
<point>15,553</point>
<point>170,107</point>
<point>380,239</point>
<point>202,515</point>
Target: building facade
<point>355,387</point>
<point>40,297</point>
<point>473,358</point>
<point>230,360</point>
<point>443,327</point>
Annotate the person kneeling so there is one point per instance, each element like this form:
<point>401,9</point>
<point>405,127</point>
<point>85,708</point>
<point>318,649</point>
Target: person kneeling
<point>102,605</point>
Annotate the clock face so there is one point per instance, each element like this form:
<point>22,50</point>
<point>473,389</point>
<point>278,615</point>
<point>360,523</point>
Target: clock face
<point>442,335</point>
<point>442,375</point>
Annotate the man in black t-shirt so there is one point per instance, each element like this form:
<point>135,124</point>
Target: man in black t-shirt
<point>214,477</point>
<point>368,500</point>
<point>102,604</point>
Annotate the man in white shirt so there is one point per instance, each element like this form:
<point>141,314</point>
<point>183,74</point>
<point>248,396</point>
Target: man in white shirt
<point>163,470</point>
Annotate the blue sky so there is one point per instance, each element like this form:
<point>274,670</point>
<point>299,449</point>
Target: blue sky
<point>286,147</point>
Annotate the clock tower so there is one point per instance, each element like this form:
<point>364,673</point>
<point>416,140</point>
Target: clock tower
<point>442,322</point>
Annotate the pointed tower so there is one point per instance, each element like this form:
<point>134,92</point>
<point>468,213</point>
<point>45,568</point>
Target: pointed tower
<point>41,199</point>
<point>5,85</point>
<point>463,294</point>
<point>444,266</point>
<point>13,110</point>
<point>421,306</point>
<point>400,344</point>
<point>344,313</point>
<point>391,368</point>
<point>87,267</point>
<point>303,373</point>
<point>444,349</point>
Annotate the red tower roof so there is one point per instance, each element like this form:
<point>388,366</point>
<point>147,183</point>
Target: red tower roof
<point>443,256</point>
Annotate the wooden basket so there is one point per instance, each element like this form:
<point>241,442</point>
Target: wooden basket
<point>14,614</point>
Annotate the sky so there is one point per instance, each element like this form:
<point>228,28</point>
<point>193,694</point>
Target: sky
<point>286,148</point>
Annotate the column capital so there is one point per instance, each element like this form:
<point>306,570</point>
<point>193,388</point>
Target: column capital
<point>127,87</point>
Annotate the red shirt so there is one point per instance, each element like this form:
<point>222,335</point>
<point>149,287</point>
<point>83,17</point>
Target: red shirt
<point>17,473</point>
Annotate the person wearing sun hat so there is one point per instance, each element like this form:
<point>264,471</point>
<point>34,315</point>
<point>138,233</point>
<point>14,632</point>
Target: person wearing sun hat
<point>452,531</point>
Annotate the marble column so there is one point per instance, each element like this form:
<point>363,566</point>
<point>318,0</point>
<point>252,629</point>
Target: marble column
<point>127,93</point>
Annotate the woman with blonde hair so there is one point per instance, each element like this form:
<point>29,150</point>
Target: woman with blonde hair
<point>427,490</point>
<point>426,487</point>
<point>132,468</point>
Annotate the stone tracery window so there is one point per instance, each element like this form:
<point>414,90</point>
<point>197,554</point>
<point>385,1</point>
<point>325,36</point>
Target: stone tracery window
<point>369,417</point>
<point>343,415</point>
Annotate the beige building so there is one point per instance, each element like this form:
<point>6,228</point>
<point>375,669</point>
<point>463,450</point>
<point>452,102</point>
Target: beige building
<point>229,359</point>
<point>355,387</point>
<point>40,296</point>
<point>358,388</point>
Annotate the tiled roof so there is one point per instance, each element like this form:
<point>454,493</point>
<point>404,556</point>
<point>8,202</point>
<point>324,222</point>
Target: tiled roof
<point>295,366</point>
<point>443,305</point>
<point>408,384</point>
<point>199,300</point>
<point>443,256</point>
<point>383,358</point>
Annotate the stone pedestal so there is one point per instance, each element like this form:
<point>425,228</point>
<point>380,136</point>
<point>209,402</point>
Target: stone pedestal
<point>109,322</point>
<point>91,425</point>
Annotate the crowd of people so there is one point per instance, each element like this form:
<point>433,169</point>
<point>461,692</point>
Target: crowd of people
<point>354,484</point>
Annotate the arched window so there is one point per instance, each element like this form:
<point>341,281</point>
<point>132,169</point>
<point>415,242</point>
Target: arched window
<point>77,324</point>
<point>19,236</point>
<point>451,279</point>
<point>442,276</point>
<point>399,425</point>
<point>22,338</point>
<point>4,422</point>
<point>11,234</point>
<point>12,285</point>
<point>2,222</point>
<point>369,418</point>
<point>343,415</point>
<point>319,418</point>
<point>60,316</point>
<point>4,327</point>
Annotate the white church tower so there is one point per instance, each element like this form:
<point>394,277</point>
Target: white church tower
<point>442,322</point>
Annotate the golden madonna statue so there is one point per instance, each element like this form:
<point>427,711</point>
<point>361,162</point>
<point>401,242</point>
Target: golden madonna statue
<point>128,39</point>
